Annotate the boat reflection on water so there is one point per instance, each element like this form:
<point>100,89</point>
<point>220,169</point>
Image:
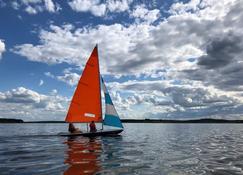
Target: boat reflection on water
<point>82,156</point>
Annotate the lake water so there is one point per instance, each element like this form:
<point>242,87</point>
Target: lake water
<point>173,149</point>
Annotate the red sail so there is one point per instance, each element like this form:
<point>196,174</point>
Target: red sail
<point>86,103</point>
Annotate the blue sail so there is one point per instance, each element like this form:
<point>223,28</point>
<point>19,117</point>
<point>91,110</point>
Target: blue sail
<point>111,115</point>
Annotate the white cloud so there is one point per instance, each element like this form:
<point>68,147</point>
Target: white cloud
<point>179,44</point>
<point>21,95</point>
<point>36,6</point>
<point>50,6</point>
<point>2,47</point>
<point>30,1</point>
<point>118,6</point>
<point>145,47</point>
<point>181,8</point>
<point>63,44</point>
<point>31,105</point>
<point>41,82</point>
<point>167,99</point>
<point>69,78</point>
<point>49,74</point>
<point>54,92</point>
<point>32,10</point>
<point>97,8</point>
<point>140,13</point>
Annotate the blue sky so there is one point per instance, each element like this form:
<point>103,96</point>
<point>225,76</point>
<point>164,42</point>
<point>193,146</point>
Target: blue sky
<point>160,59</point>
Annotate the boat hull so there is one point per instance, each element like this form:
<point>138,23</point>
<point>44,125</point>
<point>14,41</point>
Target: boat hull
<point>94,134</point>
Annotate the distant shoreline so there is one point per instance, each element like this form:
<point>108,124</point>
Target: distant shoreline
<point>5,120</point>
<point>10,120</point>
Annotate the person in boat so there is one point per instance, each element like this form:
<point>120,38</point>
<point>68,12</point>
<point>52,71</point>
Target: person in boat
<point>92,127</point>
<point>72,129</point>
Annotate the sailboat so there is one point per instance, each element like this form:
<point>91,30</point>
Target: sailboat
<point>86,104</point>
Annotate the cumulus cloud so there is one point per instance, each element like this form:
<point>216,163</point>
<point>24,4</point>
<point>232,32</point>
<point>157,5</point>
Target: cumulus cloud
<point>32,10</point>
<point>36,6</point>
<point>22,95</point>
<point>182,8</point>
<point>140,13</point>
<point>68,77</point>
<point>227,78</point>
<point>221,65</point>
<point>97,8</point>
<point>31,105</point>
<point>62,44</point>
<point>222,51</point>
<point>169,100</point>
<point>144,46</point>
<point>50,6</point>
<point>2,47</point>
<point>198,46</point>
<point>118,6</point>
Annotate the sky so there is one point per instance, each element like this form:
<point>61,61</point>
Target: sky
<point>160,59</point>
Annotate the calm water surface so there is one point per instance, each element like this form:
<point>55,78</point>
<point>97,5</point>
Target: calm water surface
<point>173,149</point>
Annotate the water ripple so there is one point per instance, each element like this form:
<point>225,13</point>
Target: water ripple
<point>173,149</point>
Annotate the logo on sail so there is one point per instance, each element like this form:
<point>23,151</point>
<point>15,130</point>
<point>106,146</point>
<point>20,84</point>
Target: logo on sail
<point>89,115</point>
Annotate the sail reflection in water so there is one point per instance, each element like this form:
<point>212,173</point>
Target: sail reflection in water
<point>83,155</point>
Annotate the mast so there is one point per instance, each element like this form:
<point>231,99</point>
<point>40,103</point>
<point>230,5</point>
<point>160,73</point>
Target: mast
<point>99,83</point>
